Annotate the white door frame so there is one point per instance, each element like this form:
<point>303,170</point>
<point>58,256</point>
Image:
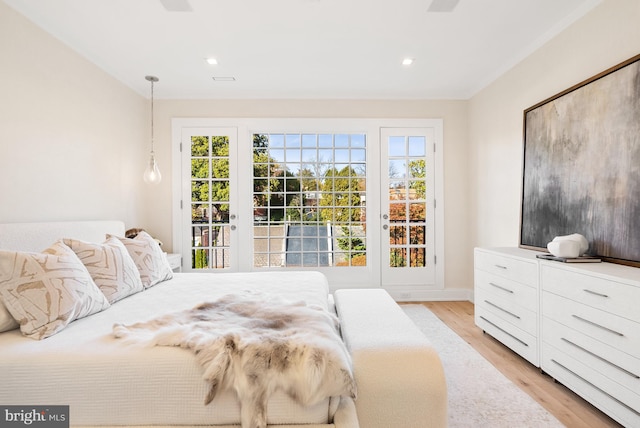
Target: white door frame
<point>368,277</point>
<point>407,275</point>
<point>183,222</point>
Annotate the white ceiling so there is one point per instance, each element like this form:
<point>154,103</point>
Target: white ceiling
<point>312,49</point>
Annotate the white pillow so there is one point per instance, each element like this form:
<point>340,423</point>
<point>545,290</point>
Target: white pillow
<point>110,265</point>
<point>46,291</point>
<point>149,258</point>
<point>7,322</point>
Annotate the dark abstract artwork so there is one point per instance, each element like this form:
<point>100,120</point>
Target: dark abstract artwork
<point>582,166</point>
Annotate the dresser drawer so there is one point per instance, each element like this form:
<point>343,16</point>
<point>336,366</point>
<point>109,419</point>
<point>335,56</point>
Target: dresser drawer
<point>516,339</point>
<point>512,291</point>
<point>618,402</point>
<point>504,307</point>
<point>520,270</point>
<point>619,333</point>
<point>603,358</point>
<point>603,294</point>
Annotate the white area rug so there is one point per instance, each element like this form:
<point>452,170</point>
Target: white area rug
<point>479,395</point>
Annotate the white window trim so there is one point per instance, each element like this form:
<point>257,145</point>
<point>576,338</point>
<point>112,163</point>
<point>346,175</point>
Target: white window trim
<point>356,277</point>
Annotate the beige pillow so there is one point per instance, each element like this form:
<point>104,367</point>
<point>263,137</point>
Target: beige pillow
<point>7,322</point>
<point>110,265</point>
<point>149,258</point>
<point>46,291</point>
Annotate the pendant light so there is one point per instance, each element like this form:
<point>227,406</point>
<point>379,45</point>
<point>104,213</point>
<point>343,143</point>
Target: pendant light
<point>152,173</point>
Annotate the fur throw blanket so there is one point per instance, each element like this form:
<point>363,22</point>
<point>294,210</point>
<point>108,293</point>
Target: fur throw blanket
<point>256,345</point>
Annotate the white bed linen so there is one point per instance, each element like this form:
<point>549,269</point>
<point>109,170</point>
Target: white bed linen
<point>107,383</point>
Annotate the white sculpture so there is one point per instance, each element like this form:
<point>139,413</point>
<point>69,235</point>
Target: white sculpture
<point>569,246</point>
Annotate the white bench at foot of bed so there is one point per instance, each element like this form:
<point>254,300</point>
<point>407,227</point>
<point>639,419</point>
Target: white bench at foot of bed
<point>399,374</point>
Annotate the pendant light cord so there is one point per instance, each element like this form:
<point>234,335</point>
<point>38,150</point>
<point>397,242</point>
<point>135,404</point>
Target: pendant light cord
<point>152,146</point>
<point>152,79</point>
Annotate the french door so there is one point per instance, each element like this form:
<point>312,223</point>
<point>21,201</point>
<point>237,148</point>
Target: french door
<point>407,206</point>
<point>209,199</point>
<point>352,198</point>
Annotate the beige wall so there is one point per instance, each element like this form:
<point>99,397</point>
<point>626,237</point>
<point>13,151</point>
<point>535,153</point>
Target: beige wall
<point>73,141</point>
<point>71,137</point>
<point>455,155</point>
<point>606,36</point>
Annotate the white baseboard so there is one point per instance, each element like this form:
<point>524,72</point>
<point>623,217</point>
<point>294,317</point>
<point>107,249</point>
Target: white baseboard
<point>449,294</point>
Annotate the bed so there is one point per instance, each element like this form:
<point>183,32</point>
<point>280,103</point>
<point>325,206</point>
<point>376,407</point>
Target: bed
<point>399,375</point>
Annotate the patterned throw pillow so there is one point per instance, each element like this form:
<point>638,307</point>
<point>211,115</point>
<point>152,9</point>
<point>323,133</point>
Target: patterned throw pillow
<point>110,265</point>
<point>149,258</point>
<point>46,291</point>
<point>7,322</point>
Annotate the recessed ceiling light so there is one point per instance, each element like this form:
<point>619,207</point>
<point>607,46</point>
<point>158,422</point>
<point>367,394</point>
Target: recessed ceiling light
<point>442,5</point>
<point>224,78</point>
<point>212,61</point>
<point>176,5</point>
<point>407,61</point>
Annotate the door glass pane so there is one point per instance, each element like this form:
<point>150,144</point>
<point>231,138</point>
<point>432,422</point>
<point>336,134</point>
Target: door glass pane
<point>397,168</point>
<point>417,235</point>
<point>200,258</point>
<point>418,189</point>
<point>199,146</point>
<point>220,146</point>
<point>397,146</point>
<point>417,146</point>
<point>220,258</point>
<point>417,168</point>
<point>200,191</point>
<point>199,168</point>
<point>200,236</point>
<point>417,257</point>
<point>397,235</point>
<point>397,212</point>
<point>406,204</point>
<point>220,167</point>
<point>417,212</point>
<point>397,257</point>
<point>210,202</point>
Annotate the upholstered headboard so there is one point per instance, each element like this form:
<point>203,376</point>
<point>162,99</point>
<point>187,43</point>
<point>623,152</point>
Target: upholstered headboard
<point>39,236</point>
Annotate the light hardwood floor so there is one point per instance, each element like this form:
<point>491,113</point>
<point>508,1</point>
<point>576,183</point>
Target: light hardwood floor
<point>568,407</point>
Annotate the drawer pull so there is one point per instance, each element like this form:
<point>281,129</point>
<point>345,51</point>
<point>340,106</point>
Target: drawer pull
<point>504,331</point>
<point>594,293</point>
<point>501,287</point>
<point>595,387</point>
<point>501,267</point>
<point>503,310</point>
<point>597,325</point>
<point>633,375</point>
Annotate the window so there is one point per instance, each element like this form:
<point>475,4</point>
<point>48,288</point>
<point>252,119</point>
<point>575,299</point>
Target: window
<point>309,195</point>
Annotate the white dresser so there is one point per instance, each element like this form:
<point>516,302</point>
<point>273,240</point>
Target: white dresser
<point>507,298</point>
<point>588,335</point>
